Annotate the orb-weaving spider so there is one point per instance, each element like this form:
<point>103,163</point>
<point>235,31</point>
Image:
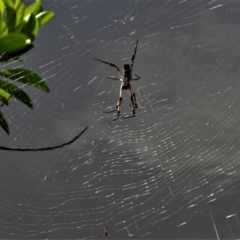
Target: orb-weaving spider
<point>105,233</point>
<point>125,78</point>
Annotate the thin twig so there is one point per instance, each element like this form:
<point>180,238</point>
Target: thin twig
<point>46,148</point>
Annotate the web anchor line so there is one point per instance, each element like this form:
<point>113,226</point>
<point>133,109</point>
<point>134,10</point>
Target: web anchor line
<point>45,148</point>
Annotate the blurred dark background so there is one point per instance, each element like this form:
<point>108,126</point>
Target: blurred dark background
<point>172,172</point>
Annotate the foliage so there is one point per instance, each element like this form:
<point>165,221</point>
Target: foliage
<point>19,26</point>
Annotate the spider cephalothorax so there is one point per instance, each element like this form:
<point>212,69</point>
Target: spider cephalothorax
<point>126,67</point>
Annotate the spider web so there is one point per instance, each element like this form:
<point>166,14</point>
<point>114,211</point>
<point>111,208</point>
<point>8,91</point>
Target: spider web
<point>172,172</point>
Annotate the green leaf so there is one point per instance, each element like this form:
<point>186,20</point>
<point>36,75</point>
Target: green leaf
<point>19,27</point>
<point>19,8</point>
<point>3,123</point>
<point>9,56</point>
<point>44,17</point>
<point>8,3</point>
<point>25,76</point>
<point>2,9</point>
<point>11,15</point>
<point>16,92</point>
<point>3,29</point>
<point>4,96</point>
<point>13,42</point>
<point>34,8</point>
<point>31,26</point>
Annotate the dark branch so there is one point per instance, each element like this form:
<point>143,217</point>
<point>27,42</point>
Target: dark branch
<point>46,148</point>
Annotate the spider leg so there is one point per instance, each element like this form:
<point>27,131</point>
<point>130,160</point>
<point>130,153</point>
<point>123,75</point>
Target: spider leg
<point>119,102</point>
<point>135,79</point>
<point>111,64</point>
<point>133,100</point>
<point>134,54</point>
<point>113,78</point>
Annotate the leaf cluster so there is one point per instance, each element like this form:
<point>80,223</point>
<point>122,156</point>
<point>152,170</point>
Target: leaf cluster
<point>19,26</point>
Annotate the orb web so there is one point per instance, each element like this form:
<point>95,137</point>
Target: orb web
<point>173,169</point>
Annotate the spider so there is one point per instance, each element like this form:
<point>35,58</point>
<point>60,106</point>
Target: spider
<point>125,78</point>
<point>105,233</point>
